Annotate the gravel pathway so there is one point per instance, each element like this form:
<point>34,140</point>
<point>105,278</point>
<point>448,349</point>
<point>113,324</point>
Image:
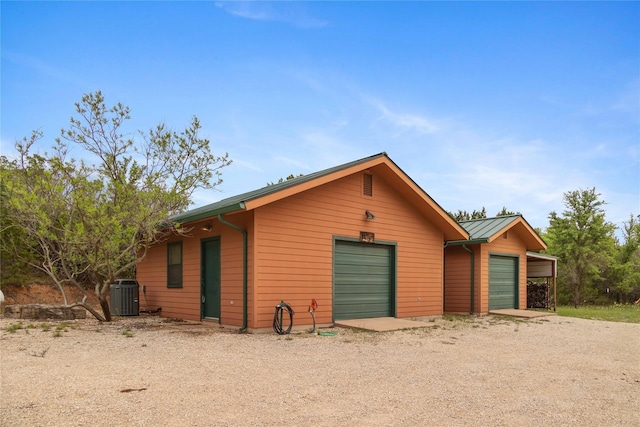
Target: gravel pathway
<point>148,371</point>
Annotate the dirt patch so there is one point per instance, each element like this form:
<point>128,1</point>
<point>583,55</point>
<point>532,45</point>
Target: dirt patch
<point>44,294</point>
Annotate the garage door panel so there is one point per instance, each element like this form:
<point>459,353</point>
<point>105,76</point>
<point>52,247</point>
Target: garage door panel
<point>503,282</point>
<point>370,279</point>
<point>363,280</point>
<point>355,289</point>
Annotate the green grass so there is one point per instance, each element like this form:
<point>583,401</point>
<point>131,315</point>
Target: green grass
<point>628,313</point>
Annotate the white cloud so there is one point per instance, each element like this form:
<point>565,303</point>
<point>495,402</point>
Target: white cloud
<point>247,165</point>
<point>404,122</point>
<point>287,12</point>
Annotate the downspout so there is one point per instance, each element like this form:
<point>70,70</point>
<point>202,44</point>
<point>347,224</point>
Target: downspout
<point>464,246</point>
<point>444,276</point>
<point>244,269</point>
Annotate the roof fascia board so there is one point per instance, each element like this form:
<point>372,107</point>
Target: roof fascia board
<point>316,182</point>
<point>520,220</point>
<point>457,229</point>
<point>541,256</point>
<point>505,228</point>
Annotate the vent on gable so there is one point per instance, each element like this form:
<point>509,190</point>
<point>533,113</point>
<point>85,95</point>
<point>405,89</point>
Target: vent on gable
<point>367,184</point>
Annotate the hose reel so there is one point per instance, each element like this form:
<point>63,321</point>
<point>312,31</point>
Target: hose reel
<point>278,318</point>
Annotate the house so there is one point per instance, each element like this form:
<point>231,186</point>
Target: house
<point>362,239</point>
<point>491,267</point>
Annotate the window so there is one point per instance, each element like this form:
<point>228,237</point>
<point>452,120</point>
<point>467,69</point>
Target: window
<point>367,184</point>
<point>174,265</point>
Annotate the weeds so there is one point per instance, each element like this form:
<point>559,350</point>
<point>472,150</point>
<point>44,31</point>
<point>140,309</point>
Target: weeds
<point>128,333</point>
<point>12,328</point>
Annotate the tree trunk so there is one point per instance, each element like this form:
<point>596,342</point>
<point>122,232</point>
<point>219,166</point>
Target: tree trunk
<point>104,304</point>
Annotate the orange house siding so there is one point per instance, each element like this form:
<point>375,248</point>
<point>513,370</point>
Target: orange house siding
<point>511,246</point>
<point>184,302</point>
<point>290,254</point>
<point>294,253</point>
<point>458,280</point>
<point>457,276</point>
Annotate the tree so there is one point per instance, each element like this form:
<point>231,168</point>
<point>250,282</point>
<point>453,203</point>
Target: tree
<point>624,274</point>
<point>482,213</point>
<point>86,222</point>
<point>506,212</point>
<point>584,243</point>
<point>281,180</point>
<point>466,216</point>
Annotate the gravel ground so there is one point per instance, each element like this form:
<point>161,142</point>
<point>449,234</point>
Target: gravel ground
<point>147,371</point>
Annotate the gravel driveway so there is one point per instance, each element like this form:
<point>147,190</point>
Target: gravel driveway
<point>454,371</point>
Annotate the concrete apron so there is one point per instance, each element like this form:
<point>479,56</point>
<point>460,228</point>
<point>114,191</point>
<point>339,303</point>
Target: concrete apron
<point>384,324</point>
<point>526,314</point>
<point>381,324</point>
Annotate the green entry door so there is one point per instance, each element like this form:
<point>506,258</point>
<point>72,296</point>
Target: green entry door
<point>363,280</point>
<point>210,278</point>
<point>503,282</point>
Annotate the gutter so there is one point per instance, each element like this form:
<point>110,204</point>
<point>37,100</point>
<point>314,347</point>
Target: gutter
<point>244,269</point>
<point>202,213</point>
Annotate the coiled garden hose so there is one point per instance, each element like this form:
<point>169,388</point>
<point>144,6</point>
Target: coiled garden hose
<point>277,318</point>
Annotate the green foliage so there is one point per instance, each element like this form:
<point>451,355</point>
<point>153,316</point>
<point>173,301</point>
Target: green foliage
<point>629,313</point>
<point>624,274</point>
<point>584,243</point>
<point>12,328</point>
<point>506,212</point>
<point>466,216</point>
<point>462,215</point>
<point>86,222</point>
<point>281,180</point>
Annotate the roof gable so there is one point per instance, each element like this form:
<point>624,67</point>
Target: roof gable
<point>380,163</point>
<point>485,230</point>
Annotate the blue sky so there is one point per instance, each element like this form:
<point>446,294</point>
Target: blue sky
<point>482,104</point>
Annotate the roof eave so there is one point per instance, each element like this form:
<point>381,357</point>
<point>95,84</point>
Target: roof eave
<point>185,218</point>
<point>466,242</point>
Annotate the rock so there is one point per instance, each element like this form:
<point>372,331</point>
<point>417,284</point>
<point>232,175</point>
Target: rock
<point>41,312</point>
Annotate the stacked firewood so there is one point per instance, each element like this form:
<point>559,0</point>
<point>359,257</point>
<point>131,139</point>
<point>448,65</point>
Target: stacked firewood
<point>538,295</point>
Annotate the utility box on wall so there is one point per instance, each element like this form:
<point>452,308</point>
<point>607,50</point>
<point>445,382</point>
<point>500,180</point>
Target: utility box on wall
<point>125,298</point>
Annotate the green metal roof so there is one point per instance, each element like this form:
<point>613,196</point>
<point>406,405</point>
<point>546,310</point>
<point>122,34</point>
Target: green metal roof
<point>236,203</point>
<point>483,229</point>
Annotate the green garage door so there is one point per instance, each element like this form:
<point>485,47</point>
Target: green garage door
<point>503,282</point>
<point>363,281</point>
